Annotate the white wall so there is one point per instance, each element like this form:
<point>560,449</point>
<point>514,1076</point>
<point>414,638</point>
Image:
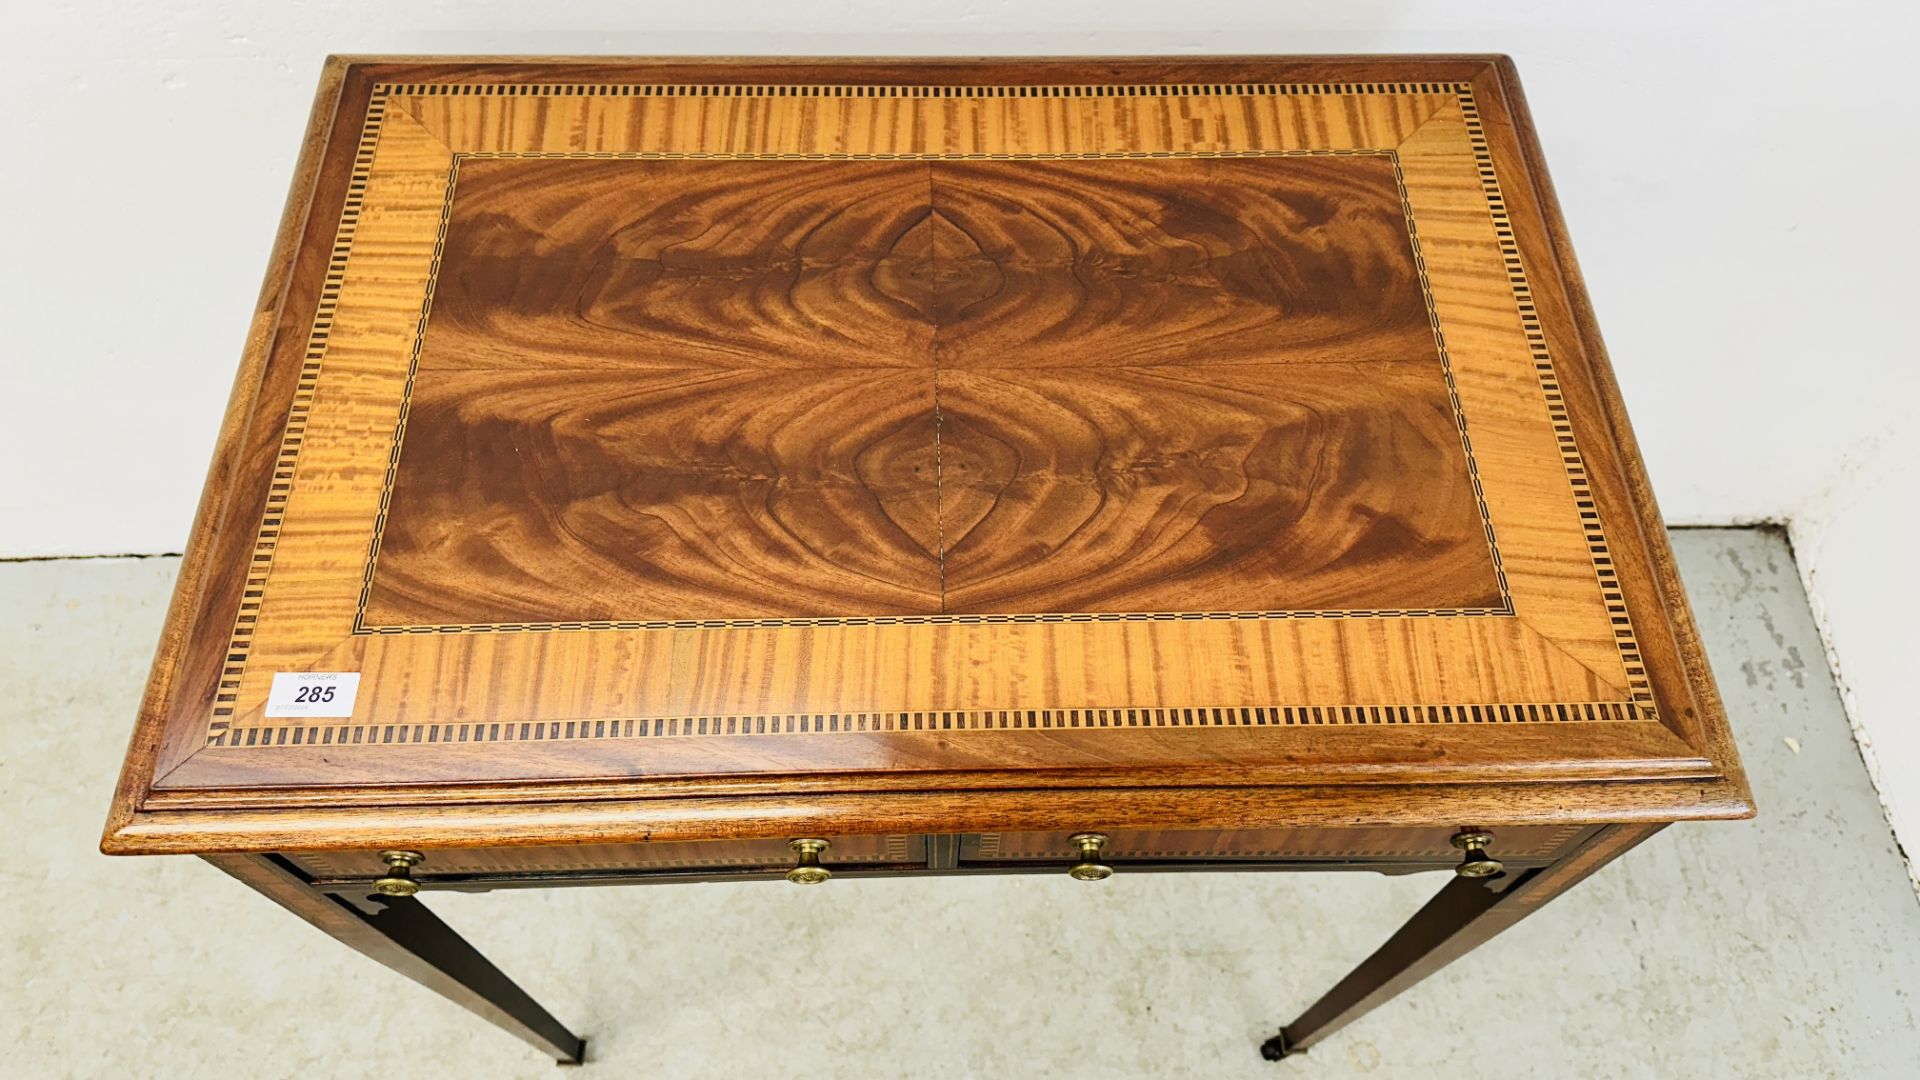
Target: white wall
<point>1855,543</point>
<point>1739,180</point>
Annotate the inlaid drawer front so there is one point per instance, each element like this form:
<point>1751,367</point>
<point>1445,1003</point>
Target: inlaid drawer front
<point>1184,845</point>
<point>774,854</point>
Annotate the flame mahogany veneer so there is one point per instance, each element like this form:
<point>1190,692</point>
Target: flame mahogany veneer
<point>938,457</point>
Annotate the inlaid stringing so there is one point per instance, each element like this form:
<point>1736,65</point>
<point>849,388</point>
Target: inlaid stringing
<point>1547,640</point>
<point>688,469</point>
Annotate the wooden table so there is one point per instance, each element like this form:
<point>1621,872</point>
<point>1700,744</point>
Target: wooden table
<point>693,470</point>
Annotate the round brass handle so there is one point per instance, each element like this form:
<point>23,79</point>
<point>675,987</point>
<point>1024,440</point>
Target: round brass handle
<point>1476,863</point>
<point>807,870</point>
<point>399,880</point>
<point>1089,868</point>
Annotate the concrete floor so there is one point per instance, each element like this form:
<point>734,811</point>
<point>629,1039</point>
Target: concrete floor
<point>1784,947</point>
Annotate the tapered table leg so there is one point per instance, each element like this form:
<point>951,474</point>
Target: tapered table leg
<point>401,933</point>
<point>1467,912</point>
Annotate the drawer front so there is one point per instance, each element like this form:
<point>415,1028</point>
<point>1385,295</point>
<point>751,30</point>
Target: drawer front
<point>719,855</point>
<point>1521,844</point>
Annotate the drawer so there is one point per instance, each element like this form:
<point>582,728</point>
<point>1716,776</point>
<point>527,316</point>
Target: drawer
<point>1523,844</point>
<point>717,855</point>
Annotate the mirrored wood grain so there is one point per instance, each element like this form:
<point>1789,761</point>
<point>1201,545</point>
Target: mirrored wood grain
<point>955,700</point>
<point>1241,488</point>
<point>1194,261</point>
<point>702,494</point>
<point>554,264</point>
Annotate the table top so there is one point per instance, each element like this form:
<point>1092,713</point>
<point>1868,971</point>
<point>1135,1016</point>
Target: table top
<point>636,449</point>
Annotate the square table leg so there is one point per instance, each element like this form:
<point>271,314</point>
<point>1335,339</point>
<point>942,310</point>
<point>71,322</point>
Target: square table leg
<point>1467,912</point>
<point>401,933</point>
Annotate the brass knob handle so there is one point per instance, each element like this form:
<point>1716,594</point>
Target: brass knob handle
<point>1089,868</point>
<point>399,880</point>
<point>807,870</point>
<point>1476,863</point>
